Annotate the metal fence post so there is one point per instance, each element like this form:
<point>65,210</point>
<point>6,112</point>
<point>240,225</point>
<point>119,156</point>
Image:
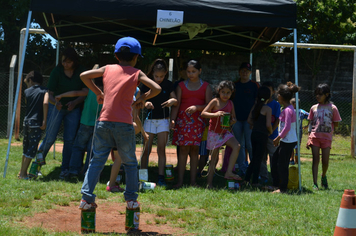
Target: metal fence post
<point>11,93</point>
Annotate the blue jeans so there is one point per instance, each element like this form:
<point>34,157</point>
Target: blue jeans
<point>108,135</point>
<point>242,133</point>
<point>82,144</point>
<point>71,123</point>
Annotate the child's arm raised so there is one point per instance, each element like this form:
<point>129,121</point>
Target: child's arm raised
<point>155,89</point>
<point>87,78</point>
<point>206,113</point>
<point>175,109</point>
<point>45,111</point>
<point>172,101</point>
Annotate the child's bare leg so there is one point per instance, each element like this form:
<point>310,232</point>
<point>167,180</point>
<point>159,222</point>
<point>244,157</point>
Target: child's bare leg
<point>194,159</point>
<point>146,152</point>
<point>161,151</point>
<point>24,166</point>
<point>316,160</point>
<point>203,159</point>
<point>292,156</point>
<point>212,167</point>
<point>235,146</point>
<point>115,168</point>
<point>325,153</point>
<point>182,162</point>
<point>296,155</point>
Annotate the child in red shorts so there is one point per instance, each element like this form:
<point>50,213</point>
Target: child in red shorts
<point>323,117</point>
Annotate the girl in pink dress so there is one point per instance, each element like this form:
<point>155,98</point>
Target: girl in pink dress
<point>218,135</point>
<point>192,94</point>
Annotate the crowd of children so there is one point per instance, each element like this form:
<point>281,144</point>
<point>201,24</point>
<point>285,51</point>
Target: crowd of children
<point>188,110</point>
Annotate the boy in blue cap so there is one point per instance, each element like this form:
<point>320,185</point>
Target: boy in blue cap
<point>114,126</point>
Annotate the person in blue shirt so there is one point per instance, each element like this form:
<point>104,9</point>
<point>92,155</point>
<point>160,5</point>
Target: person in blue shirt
<point>245,97</point>
<point>270,149</point>
<point>302,115</point>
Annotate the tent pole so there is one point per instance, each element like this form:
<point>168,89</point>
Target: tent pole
<point>57,60</point>
<point>251,62</point>
<point>19,76</point>
<point>297,106</point>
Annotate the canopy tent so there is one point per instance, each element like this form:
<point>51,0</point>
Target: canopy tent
<point>233,25</point>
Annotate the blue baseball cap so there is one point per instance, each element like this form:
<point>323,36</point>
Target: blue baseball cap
<point>129,42</point>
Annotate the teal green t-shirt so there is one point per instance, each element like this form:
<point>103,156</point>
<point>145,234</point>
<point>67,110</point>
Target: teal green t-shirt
<point>60,83</point>
<point>91,110</point>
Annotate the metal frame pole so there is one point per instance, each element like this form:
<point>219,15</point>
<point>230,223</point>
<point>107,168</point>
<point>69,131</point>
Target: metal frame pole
<point>353,111</point>
<point>18,89</point>
<point>297,105</point>
<point>11,93</point>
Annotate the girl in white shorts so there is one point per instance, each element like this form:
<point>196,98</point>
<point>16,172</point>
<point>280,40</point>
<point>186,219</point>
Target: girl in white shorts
<point>157,121</point>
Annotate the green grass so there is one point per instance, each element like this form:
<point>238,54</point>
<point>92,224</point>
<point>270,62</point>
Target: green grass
<point>197,210</point>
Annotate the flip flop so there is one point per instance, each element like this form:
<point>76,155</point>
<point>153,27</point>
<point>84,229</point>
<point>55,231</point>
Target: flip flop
<point>269,188</point>
<point>236,177</point>
<point>25,178</point>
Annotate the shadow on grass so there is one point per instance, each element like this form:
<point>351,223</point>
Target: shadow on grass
<point>136,232</point>
<point>219,182</point>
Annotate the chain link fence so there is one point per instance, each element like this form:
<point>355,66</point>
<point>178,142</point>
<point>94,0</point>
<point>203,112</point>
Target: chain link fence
<point>342,99</point>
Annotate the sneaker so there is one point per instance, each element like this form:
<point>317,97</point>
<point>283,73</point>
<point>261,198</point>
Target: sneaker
<point>85,206</point>
<point>324,182</point>
<point>72,177</point>
<point>39,173</point>
<point>63,174</point>
<point>114,189</point>
<point>315,187</point>
<point>161,183</point>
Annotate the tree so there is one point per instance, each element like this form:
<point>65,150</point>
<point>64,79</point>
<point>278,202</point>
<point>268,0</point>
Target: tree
<point>12,19</point>
<point>325,22</point>
<point>40,54</point>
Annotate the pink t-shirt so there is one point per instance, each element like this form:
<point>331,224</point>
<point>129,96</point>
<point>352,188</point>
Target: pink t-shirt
<point>287,125</point>
<point>120,84</point>
<point>321,118</point>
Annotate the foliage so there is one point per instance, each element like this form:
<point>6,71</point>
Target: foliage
<point>324,22</point>
<point>12,19</point>
<point>327,21</point>
<point>40,54</point>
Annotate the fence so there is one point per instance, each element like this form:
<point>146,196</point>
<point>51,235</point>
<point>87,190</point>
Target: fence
<point>342,99</point>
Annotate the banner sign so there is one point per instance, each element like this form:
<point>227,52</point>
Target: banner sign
<point>169,19</point>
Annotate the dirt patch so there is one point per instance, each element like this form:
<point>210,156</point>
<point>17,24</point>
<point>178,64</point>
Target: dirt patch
<point>110,218</point>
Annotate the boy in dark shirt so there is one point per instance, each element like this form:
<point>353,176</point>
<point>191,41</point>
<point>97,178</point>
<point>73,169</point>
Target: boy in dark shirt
<point>35,119</point>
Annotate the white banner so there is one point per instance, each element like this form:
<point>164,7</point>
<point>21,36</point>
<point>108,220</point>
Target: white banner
<point>169,19</point>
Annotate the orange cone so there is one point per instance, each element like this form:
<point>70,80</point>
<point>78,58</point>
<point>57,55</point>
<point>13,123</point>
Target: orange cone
<point>346,220</point>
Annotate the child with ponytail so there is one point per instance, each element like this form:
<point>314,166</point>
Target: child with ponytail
<point>286,139</point>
